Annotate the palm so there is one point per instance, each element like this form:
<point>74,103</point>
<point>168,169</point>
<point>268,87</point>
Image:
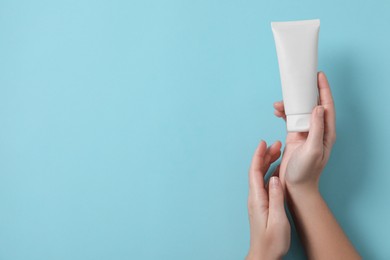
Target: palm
<point>293,143</point>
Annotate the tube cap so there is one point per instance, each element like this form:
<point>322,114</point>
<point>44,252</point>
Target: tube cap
<point>298,123</point>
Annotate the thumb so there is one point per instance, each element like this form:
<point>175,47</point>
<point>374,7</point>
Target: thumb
<point>277,213</point>
<point>315,138</point>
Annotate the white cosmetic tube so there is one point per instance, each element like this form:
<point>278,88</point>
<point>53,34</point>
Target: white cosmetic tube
<point>296,46</point>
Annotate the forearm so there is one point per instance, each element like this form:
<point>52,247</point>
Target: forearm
<point>321,235</point>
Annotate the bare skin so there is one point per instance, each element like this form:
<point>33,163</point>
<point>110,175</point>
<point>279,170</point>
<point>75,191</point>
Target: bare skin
<point>304,158</point>
<point>269,226</point>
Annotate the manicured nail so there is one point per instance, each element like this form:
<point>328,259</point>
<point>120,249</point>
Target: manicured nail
<point>320,111</point>
<point>274,182</point>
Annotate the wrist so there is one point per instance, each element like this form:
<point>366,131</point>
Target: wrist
<point>303,195</point>
<point>257,255</point>
<point>303,190</point>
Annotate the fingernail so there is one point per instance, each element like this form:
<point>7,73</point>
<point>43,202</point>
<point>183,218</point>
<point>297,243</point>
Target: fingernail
<point>274,182</point>
<point>320,111</point>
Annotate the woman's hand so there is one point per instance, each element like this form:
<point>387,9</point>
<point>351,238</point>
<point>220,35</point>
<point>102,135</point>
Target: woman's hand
<point>306,154</point>
<point>269,226</point>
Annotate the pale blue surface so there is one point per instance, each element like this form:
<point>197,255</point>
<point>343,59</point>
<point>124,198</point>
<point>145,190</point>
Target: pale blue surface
<point>127,127</point>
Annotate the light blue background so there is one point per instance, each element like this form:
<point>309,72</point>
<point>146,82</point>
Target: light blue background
<point>127,127</point>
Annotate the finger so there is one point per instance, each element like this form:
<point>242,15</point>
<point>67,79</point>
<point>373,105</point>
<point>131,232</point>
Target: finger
<point>256,181</point>
<point>315,138</point>
<point>273,153</point>
<point>258,197</point>
<point>279,109</point>
<point>280,114</point>
<point>275,173</point>
<point>327,102</point>
<point>277,213</point>
<point>279,105</point>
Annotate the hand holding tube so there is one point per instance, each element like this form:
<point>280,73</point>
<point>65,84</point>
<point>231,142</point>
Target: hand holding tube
<point>304,158</point>
<point>306,154</point>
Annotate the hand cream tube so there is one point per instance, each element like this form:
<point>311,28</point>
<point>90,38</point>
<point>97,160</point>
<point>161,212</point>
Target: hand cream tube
<point>296,46</point>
